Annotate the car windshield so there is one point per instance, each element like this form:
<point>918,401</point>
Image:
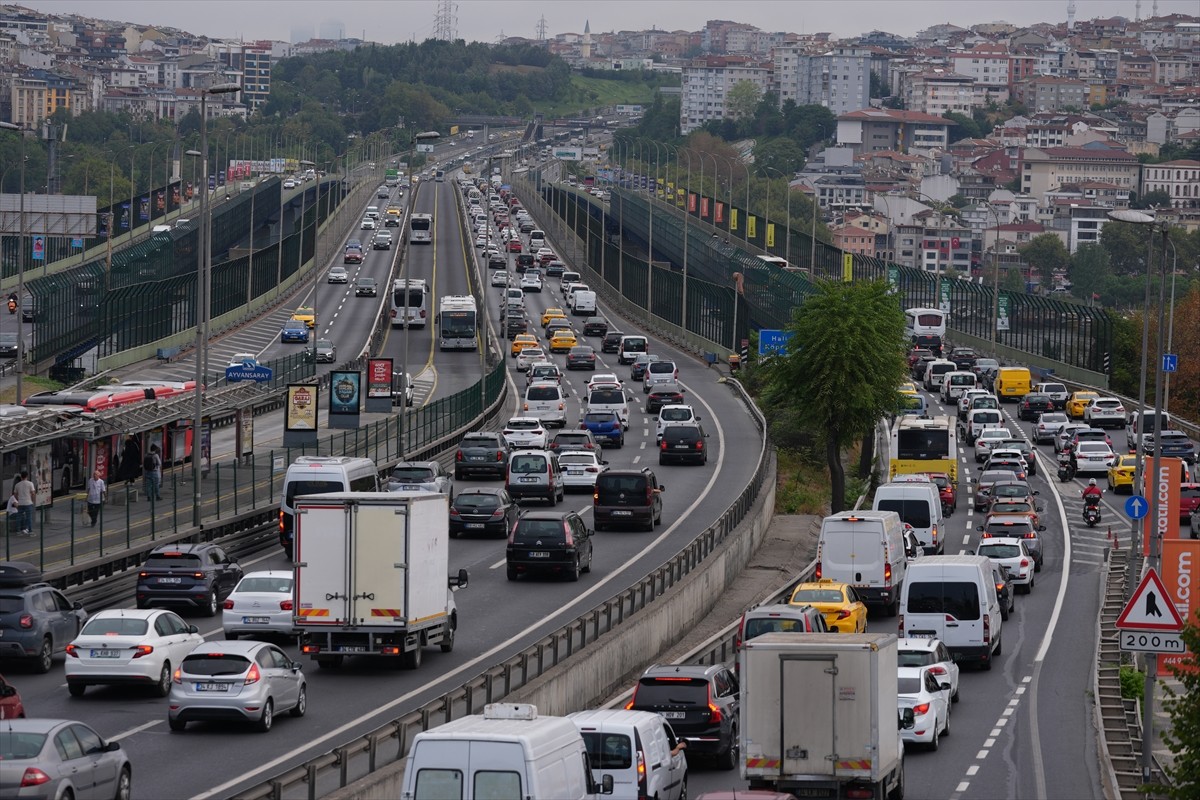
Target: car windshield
<point>671,692</point>
<point>578,458</point>
<point>1008,528</point>
<point>1011,490</point>
<point>478,441</point>
<point>675,414</point>
<point>115,626</point>
<point>280,585</point>
<point>542,393</point>
<point>301,488</point>
<point>1053,418</point>
<point>817,596</point>
<point>608,750</point>
<point>476,501</point>
<point>527,465</point>
<point>761,625</point>
<point>959,599</point>
<point>546,531</point>
<point>412,474</point>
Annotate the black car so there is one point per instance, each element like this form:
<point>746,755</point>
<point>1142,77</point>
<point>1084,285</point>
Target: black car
<point>36,620</point>
<point>1004,590</point>
<point>484,510</point>
<point>391,221</point>
<point>683,444</point>
<point>627,497</point>
<point>524,261</point>
<point>612,341</point>
<point>481,452</point>
<point>664,394</point>
<point>637,370</point>
<point>555,269</point>
<point>8,344</point>
<point>581,357</point>
<point>595,326</point>
<point>515,325</point>
<point>929,341</point>
<point>497,262</point>
<point>365,287</point>
<point>700,701</point>
<point>963,358</point>
<point>1034,405</point>
<point>549,541</point>
<point>193,575</point>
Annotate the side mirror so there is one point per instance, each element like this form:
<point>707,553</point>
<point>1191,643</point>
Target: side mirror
<point>945,687</point>
<point>460,580</point>
<point>590,532</point>
<point>1035,492</point>
<point>112,747</point>
<point>1039,509</point>
<point>297,666</point>
<point>78,606</point>
<point>192,629</point>
<point>662,488</point>
<point>699,419</point>
<point>979,527</point>
<point>606,784</point>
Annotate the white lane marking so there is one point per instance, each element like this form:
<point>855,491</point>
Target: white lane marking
<point>132,731</point>
<point>643,447</point>
<point>989,743</point>
<point>981,755</point>
<point>962,787</point>
<point>971,770</point>
<point>499,564</point>
<point>636,459</point>
<point>967,539</point>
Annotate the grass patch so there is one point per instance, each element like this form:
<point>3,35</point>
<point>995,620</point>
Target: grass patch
<point>803,486</point>
<point>33,383</point>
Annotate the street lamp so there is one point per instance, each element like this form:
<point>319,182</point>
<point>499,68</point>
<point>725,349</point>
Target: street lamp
<point>20,367</point>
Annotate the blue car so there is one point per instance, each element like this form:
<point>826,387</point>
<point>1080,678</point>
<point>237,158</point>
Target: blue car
<point>606,427</point>
<point>294,330</point>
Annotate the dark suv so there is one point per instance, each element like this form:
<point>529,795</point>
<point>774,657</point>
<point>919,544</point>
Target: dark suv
<point>683,444</point>
<point>1033,405</point>
<point>701,703</point>
<point>481,452</point>
<point>627,497</point>
<point>549,541</point>
<point>36,620</point>
<point>195,575</point>
<point>612,341</point>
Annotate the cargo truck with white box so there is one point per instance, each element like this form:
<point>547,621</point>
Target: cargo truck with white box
<point>371,576</point>
<point>820,715</point>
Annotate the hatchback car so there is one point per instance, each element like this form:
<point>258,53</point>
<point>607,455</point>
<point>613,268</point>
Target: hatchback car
<point>294,330</point>
<point>627,497</point>
<point>260,605</point>
<point>700,701</point>
<point>481,452</point>
<point>549,541</point>
<point>525,433</point>
<point>337,274</point>
<point>37,621</point>
<point>125,646</point>
<point>931,653</point>
<point>1015,526</point>
<point>778,618</point>
<point>683,444</point>
<point>637,368</point>
<point>1047,427</point>
<point>580,468</point>
<point>595,326</point>
<point>365,287</point>
<point>324,351</point>
<point>581,357</point>
<point>482,509</point>
<point>239,681</point>
<point>59,758</point>
<point>353,255</point>
<point>421,476</point>
<point>612,341</point>
<point>664,394</point>
<point>605,426</point>
<point>1014,557</point>
<point>196,576</point>
<point>920,690</point>
<point>1034,405</point>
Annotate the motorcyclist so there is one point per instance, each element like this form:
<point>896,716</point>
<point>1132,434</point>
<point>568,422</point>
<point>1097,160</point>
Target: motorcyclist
<point>12,303</point>
<point>1091,493</point>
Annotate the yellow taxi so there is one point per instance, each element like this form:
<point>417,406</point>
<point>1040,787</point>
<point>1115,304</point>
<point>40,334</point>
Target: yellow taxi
<point>522,341</point>
<point>307,314</point>
<point>908,387</point>
<point>562,341</point>
<point>844,612</point>
<point>552,313</point>
<point>1120,474</point>
<point>1078,403</point>
<point>393,211</point>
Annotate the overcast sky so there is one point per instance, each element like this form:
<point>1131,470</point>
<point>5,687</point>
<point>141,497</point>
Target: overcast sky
<point>390,21</point>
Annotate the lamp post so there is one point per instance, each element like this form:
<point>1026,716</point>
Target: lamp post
<point>132,189</point>
<point>788,227</point>
<point>202,298</point>
<point>1170,325</point>
<point>20,366</point>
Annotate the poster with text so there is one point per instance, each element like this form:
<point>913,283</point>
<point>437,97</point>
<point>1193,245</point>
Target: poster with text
<point>344,391</point>
<point>301,409</point>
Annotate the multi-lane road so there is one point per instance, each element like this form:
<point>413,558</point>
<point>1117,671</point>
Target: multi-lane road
<point>497,617</point>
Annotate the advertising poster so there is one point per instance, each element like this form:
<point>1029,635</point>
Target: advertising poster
<point>1170,476</point>
<point>344,391</point>
<point>944,296</point>
<point>703,208</point>
<point>144,209</point>
<point>1002,315</point>
<point>720,212</point>
<point>205,445</point>
<point>847,267</point>
<point>42,474</point>
<point>770,234</point>
<point>751,226</point>
<point>691,203</point>
<point>379,377</point>
<point>733,219</point>
<point>246,432</point>
<point>102,459</point>
<point>301,409</point>
<point>1180,560</point>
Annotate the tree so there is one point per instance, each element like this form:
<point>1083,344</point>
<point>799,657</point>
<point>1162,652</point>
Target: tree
<point>963,128</point>
<point>1047,254</point>
<point>742,99</point>
<point>1090,271</point>
<point>1183,737</point>
<point>779,156</point>
<point>1127,247</point>
<point>843,368</point>
<point>1013,281</point>
<point>1155,199</point>
<point>879,85</point>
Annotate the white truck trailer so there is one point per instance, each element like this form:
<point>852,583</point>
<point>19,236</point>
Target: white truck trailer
<point>371,576</point>
<point>820,717</point>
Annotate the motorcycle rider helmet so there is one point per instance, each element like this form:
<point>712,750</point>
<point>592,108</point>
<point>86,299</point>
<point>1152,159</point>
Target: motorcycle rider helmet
<point>1092,482</point>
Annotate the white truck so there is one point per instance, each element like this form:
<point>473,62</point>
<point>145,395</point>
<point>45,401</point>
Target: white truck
<point>820,716</point>
<point>371,576</point>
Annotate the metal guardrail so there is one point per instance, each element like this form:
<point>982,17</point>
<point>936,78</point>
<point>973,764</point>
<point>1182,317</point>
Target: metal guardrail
<point>389,743</point>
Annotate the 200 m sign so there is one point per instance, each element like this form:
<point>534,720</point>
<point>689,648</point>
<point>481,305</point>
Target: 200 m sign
<point>1151,642</point>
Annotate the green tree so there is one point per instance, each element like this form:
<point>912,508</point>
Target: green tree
<point>742,99</point>
<point>1155,199</point>
<point>879,85</point>
<point>963,128</point>
<point>1013,281</point>
<point>1127,246</point>
<point>843,368</point>
<point>1184,707</point>
<point>1090,271</point>
<point>779,156</point>
<point>1047,254</point>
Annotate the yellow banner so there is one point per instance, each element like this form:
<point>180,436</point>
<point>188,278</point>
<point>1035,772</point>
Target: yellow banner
<point>733,219</point>
<point>847,267</point>
<point>751,221</point>
<point>770,234</point>
<point>453,130</point>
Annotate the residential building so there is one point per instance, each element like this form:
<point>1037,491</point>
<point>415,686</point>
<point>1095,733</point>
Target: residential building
<point>253,61</point>
<point>840,79</point>
<point>1082,223</point>
<point>1043,169</point>
<point>935,243</point>
<point>852,239</point>
<point>937,91</point>
<point>39,94</point>
<point>1167,126</point>
<point>1179,179</point>
<point>706,83</point>
<point>872,129</point>
<point>987,63</point>
<point>1051,93</point>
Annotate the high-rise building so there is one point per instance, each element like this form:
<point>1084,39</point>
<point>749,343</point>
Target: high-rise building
<point>840,79</point>
<point>706,85</point>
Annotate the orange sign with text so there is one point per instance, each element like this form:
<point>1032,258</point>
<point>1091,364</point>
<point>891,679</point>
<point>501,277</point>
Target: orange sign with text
<point>1166,485</point>
<point>1180,564</point>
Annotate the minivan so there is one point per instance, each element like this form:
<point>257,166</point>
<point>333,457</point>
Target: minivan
<point>584,303</point>
<point>322,475</point>
<point>630,347</point>
<point>935,371</point>
<point>980,419</point>
<point>659,372</point>
<point>607,397</point>
<point>866,550</point>
<point>534,474</point>
<point>627,497</point>
<point>953,598</point>
<point>955,383</point>
<point>537,238</point>
<point>920,505</point>
<point>546,401</point>
<point>638,749</point>
<point>1012,383</point>
<point>1144,420</point>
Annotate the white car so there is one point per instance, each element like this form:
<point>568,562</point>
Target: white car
<point>500,278</point>
<point>1010,552</point>
<point>580,468</point>
<point>531,282</point>
<point>240,359</point>
<point>260,604</point>
<point>368,224</point>
<point>481,241</point>
<point>337,274</point>
<point>1093,457</point>
<point>530,356</point>
<point>675,414</point>
<point>931,653</point>
<point>1105,412</point>
<point>521,433</point>
<point>603,377</point>
<point>608,397</point>
<point>921,691</point>
<point>129,646</point>
<point>986,440</point>
<point>964,400</point>
<point>1048,426</point>
<point>289,184</point>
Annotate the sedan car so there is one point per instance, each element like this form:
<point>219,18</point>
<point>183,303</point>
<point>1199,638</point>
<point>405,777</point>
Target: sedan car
<point>59,758</point>
<point>1120,474</point>
<point>337,274</point>
<point>521,342</point>
<point>483,509</point>
<point>325,351</point>
<point>238,681</point>
<point>987,439</point>
<point>844,611</point>
<point>531,282</point>
<point>9,344</point>
<point>983,486</point>
<point>581,357</point>
<point>637,370</point>
<point>562,341</point>
<point>595,326</point>
<point>553,312</point>
<point>382,241</point>
<point>1034,405</point>
<point>367,224</point>
<point>307,314</point>
<point>1012,555</point>
<point>931,653</point>
<point>260,605</point>
<point>948,490</point>
<point>1093,457</point>
<point>353,255</point>
<point>129,646</point>
<point>421,476</point>
<point>929,699</point>
<point>528,357</point>
<point>580,468</point>
<point>365,287</point>
<point>664,394</point>
<point>500,278</point>
<point>525,433</point>
<point>1078,402</point>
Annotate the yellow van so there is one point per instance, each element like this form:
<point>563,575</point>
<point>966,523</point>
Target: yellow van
<point>1012,383</point>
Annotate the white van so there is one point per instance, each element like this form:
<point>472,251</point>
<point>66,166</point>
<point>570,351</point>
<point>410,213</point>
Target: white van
<point>546,401</point>
<point>537,238</point>
<point>574,289</point>
<point>508,751</point>
<point>584,304</point>
<point>322,475</point>
<point>636,749</point>
<point>980,419</point>
<point>920,505</point>
<point>535,474</point>
<point>1144,420</point>
<point>955,383</point>
<point>866,550</point>
<point>936,371</point>
<point>953,598</point>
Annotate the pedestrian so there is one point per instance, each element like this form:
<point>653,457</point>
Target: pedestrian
<point>131,459</point>
<point>97,491</point>
<point>152,474</point>
<point>26,493</point>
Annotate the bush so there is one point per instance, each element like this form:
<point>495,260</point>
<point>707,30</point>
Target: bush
<point>1133,683</point>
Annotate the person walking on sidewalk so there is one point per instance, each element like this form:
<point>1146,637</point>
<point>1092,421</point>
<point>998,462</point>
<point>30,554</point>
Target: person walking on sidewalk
<point>96,492</point>
<point>152,474</point>
<point>26,493</point>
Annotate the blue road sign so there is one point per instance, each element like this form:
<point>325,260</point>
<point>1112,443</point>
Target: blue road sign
<point>1136,507</point>
<point>1170,362</point>
<point>248,371</point>
<point>773,342</point>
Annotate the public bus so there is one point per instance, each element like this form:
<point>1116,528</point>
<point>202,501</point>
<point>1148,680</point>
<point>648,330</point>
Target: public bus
<point>457,323</point>
<point>925,327</point>
<point>924,444</point>
<point>439,175</point>
<point>409,299</point>
<point>420,229</point>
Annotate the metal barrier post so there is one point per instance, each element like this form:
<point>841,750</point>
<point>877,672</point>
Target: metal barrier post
<point>235,486</point>
<point>174,502</point>
<point>128,521</point>
<point>72,530</point>
<point>218,494</point>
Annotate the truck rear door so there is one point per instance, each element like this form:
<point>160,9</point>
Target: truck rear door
<point>809,738</point>
<point>322,533</point>
<point>378,564</point>
<point>867,556</point>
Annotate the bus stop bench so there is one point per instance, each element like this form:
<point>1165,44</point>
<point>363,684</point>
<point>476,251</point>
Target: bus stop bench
<point>167,353</point>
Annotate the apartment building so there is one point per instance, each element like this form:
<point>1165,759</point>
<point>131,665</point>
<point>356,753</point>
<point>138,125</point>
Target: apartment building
<point>987,63</point>
<point>706,83</point>
<point>39,94</point>
<point>934,243</point>
<point>872,129</point>
<point>937,91</point>
<point>1043,169</point>
<point>839,79</point>
<point>1180,179</point>
<point>1051,93</point>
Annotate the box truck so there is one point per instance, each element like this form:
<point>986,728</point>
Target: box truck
<point>820,716</point>
<point>371,576</point>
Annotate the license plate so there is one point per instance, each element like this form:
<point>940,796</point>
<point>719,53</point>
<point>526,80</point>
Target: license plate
<point>170,580</point>
<point>255,620</point>
<point>106,654</point>
<point>622,513</point>
<point>529,480</point>
<point>351,648</point>
<point>574,470</point>
<point>922,634</point>
<point>475,458</point>
<point>539,554</point>
<point>673,714</point>
<point>212,687</point>
<point>681,447</point>
<point>475,526</point>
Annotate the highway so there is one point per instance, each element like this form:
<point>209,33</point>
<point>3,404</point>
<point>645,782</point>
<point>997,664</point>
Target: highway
<point>497,617</point>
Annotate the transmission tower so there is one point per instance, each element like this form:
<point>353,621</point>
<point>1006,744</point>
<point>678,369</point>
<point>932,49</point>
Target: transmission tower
<point>445,21</point>
<point>541,29</point>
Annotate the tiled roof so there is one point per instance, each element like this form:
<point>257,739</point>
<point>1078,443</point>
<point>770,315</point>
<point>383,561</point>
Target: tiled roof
<point>892,115</point>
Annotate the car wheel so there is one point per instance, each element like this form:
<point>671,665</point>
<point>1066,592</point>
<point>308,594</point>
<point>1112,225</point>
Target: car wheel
<point>176,725</point>
<point>124,785</point>
<point>1037,565</point>
<point>267,719</point>
<point>162,686</point>
<point>1004,611</point>
<point>411,659</point>
<point>512,573</point>
<point>728,758</point>
<point>683,789</point>
<point>45,657</point>
<point>999,648</point>
<point>934,744</point>
<point>447,643</point>
<point>946,731</point>
<point>588,568</point>
<point>954,697</point>
<point>573,575</point>
<point>76,689</point>
<point>458,475</point>
<point>301,703</point>
<point>210,610</point>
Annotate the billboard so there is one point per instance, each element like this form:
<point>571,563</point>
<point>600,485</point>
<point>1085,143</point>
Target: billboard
<point>567,153</point>
<point>301,410</point>
<point>48,214</point>
<point>379,377</point>
<point>1180,559</point>
<point>345,392</point>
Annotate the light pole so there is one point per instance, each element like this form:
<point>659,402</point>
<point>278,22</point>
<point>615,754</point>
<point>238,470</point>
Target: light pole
<point>20,366</point>
<point>132,189</point>
<point>202,297</point>
<point>1170,326</point>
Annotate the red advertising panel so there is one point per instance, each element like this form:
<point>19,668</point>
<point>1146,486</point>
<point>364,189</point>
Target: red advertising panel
<point>379,377</point>
<point>1166,486</point>
<point>1180,563</point>
<point>720,216</point>
<point>704,208</point>
<point>691,203</point>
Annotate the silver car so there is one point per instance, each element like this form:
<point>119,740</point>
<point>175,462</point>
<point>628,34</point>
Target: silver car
<point>260,604</point>
<point>69,758</point>
<point>243,681</point>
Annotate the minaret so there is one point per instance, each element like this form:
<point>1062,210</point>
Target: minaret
<point>585,50</point>
<point>1071,15</point>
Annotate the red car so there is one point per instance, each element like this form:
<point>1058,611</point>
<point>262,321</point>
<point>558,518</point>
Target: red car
<point>352,256</point>
<point>10,701</point>
<point>514,246</point>
<point>1189,499</point>
<point>946,489</point>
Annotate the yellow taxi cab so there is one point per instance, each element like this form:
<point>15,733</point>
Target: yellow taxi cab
<point>1078,403</point>
<point>562,341</point>
<point>908,387</point>
<point>1120,474</point>
<point>1013,506</point>
<point>521,341</point>
<point>394,211</point>
<point>844,612</point>
<point>552,313</point>
<point>307,315</point>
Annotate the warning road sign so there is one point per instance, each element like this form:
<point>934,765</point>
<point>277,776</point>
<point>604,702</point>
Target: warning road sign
<point>1150,608</point>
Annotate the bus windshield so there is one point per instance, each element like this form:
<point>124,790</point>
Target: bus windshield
<point>922,443</point>
<point>458,324</point>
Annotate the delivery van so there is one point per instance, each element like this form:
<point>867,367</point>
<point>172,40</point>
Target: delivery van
<point>953,598</point>
<point>919,504</point>
<point>1012,383</point>
<point>866,550</point>
<point>322,475</point>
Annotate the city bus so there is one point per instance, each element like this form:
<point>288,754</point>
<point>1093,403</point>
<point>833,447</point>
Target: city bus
<point>924,444</point>
<point>925,327</point>
<point>439,176</point>
<point>456,321</point>
<point>409,299</point>
<point>420,229</point>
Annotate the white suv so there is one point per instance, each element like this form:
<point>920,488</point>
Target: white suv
<point>674,415</point>
<point>1104,412</point>
<point>986,440</point>
<point>545,400</point>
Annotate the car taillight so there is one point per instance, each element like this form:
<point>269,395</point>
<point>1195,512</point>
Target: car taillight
<point>900,624</point>
<point>1024,562</point>
<point>177,676</point>
<point>422,313</point>
<point>498,513</point>
<point>253,675</point>
<point>817,572</point>
<point>714,714</point>
<point>458,456</point>
<point>453,511</point>
<point>1030,535</point>
<point>663,444</point>
<point>33,777</point>
<point>499,455</point>
<point>699,444</point>
<point>844,614</point>
<point>987,629</point>
<point>887,574</point>
<point>26,621</point>
<point>641,773</point>
<point>570,540</point>
<point>285,605</point>
<point>227,605</point>
<point>281,528</point>
<point>72,651</point>
<point>938,670</point>
<point>935,534</point>
<point>921,708</point>
<point>526,406</point>
<point>142,650</point>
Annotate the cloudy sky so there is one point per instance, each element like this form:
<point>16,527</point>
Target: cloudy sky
<point>390,21</point>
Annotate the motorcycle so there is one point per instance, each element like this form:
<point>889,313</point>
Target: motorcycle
<point>1066,470</point>
<point>1091,514</point>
